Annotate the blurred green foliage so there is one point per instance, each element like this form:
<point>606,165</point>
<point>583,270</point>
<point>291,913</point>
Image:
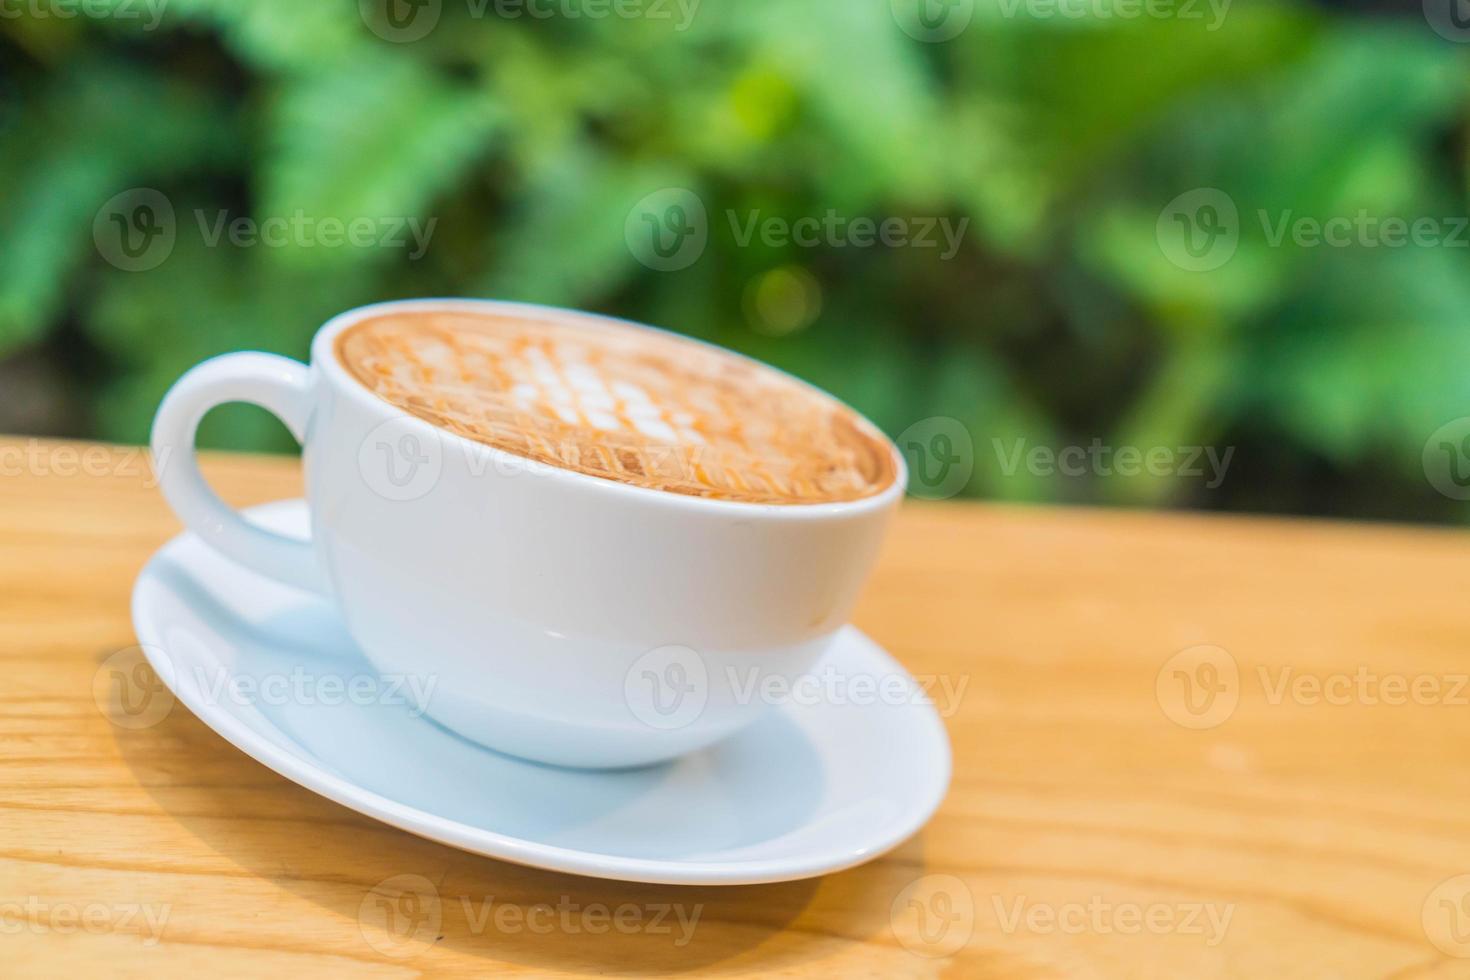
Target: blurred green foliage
<point>1062,319</point>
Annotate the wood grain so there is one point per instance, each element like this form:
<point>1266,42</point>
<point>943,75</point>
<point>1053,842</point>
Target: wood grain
<point>1087,834</point>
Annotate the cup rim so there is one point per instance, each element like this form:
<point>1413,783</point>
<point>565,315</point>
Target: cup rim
<point>324,359</point>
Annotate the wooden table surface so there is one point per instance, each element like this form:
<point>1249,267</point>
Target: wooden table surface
<point>1186,746</point>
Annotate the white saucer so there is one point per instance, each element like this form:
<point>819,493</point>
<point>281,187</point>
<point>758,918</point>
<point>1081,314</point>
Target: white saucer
<point>817,785</point>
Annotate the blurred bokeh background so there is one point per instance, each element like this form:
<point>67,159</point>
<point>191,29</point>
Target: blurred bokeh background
<point>1010,231</point>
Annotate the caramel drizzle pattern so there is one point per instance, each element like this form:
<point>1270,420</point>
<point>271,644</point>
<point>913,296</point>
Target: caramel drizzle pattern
<point>796,447</point>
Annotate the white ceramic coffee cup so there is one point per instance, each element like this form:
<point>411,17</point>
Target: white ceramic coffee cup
<point>560,617</point>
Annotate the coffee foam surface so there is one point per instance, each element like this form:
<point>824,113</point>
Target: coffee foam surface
<point>620,402</point>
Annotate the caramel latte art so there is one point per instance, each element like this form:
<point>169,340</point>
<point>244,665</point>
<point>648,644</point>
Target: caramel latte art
<point>612,400</point>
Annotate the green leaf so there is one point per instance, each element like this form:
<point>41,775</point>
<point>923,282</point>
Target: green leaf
<point>278,34</point>
<point>1356,365</point>
<point>865,86</point>
<point>200,302</point>
<point>380,138</point>
<point>102,129</point>
<point>564,241</point>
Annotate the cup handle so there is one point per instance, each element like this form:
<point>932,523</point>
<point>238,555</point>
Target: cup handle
<point>282,387</point>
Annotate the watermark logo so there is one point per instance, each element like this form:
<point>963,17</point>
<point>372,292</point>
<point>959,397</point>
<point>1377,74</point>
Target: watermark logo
<point>1446,916</point>
<point>401,459</point>
<point>406,21</point>
<point>401,916</point>
<point>136,229</point>
<point>828,685</point>
<point>670,687</point>
<point>1364,687</point>
<point>1207,463</point>
<point>1199,230</point>
<point>298,686</point>
<point>129,692</point>
<point>1199,687</point>
<point>668,230</point>
<point>1105,11</point>
<point>933,916</point>
<point>667,688</point>
<point>1450,19</point>
<point>149,11</point>
<point>94,918</point>
<point>401,21</point>
<point>1099,916</point>
<point>933,21</point>
<point>835,230</point>
<point>570,917</point>
<point>941,457</point>
<point>40,458</point>
<point>1447,459</point>
<point>302,230</point>
<point>1362,230</point>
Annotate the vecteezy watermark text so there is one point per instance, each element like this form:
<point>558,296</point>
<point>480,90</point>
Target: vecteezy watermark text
<point>569,917</point>
<point>406,21</point>
<point>403,459</point>
<point>1201,230</point>
<point>1104,11</point>
<point>935,916</point>
<point>1363,686</point>
<point>137,230</point>
<point>1200,687</point>
<point>669,230</point>
<point>302,230</point>
<point>680,12</point>
<point>1098,459</point>
<point>1363,229</point>
<point>150,12</point>
<point>1101,917</point>
<point>668,687</point>
<point>828,685</point>
<point>402,915</point>
<point>835,230</point>
<point>34,915</point>
<point>303,687</point>
<point>133,688</point>
<point>35,457</point>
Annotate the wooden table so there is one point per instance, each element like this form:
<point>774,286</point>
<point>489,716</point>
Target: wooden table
<point>1123,804</point>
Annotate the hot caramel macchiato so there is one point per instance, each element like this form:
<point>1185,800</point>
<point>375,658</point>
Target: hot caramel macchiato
<point>620,402</point>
